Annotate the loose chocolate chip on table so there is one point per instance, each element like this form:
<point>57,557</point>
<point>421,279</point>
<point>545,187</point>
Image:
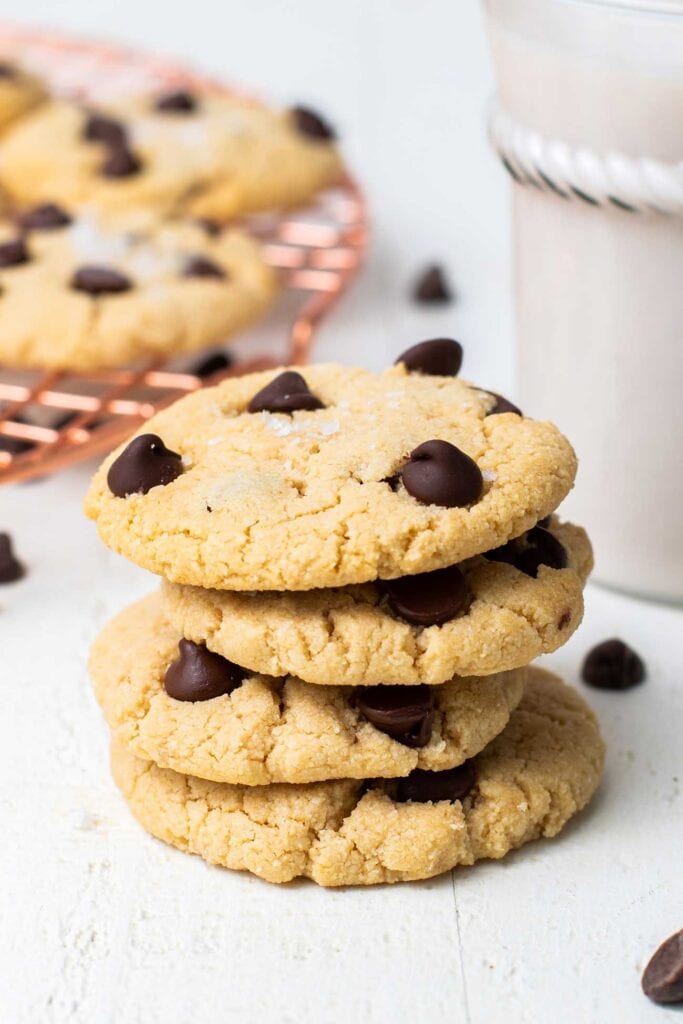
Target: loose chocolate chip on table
<point>286,393</point>
<point>431,286</point>
<point>438,473</point>
<point>406,713</point>
<point>13,253</point>
<point>201,266</point>
<point>662,979</point>
<point>612,665</point>
<point>145,463</point>
<point>212,364</point>
<point>502,405</point>
<point>121,162</point>
<point>44,218</point>
<point>99,280</point>
<point>11,568</point>
<point>529,552</point>
<point>199,674</point>
<point>308,123</point>
<point>178,102</point>
<point>440,357</point>
<point>423,786</point>
<point>99,128</point>
<point>429,598</point>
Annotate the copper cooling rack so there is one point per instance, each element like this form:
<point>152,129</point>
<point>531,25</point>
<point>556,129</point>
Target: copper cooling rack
<point>51,420</point>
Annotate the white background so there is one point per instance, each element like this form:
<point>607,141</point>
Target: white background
<point>99,923</point>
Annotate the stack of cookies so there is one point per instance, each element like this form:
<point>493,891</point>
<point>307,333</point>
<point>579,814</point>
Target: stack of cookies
<point>333,679</point>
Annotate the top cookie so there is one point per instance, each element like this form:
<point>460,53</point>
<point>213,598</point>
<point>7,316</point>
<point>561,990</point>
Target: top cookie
<point>211,156</point>
<point>20,92</point>
<point>363,476</point>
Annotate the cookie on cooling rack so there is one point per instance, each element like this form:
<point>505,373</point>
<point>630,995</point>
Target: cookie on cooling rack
<point>81,291</point>
<point>20,92</point>
<point>210,155</point>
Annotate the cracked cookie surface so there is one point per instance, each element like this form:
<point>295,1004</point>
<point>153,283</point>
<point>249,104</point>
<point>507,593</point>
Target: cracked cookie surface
<point>311,498</point>
<point>113,290</point>
<point>539,772</point>
<point>270,730</point>
<point>351,635</point>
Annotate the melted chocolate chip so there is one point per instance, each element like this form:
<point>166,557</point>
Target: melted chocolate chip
<point>440,357</point>
<point>178,102</point>
<point>45,217</point>
<point>662,979</point>
<point>11,568</point>
<point>312,125</point>
<point>432,286</point>
<point>422,786</point>
<point>99,128</point>
<point>201,266</point>
<point>96,280</point>
<point>145,463</point>
<point>406,713</point>
<point>429,598</point>
<point>13,253</point>
<point>285,393</point>
<point>529,552</point>
<point>613,665</point>
<point>502,405</point>
<point>438,473</point>
<point>212,364</point>
<point>199,674</point>
<point>121,162</point>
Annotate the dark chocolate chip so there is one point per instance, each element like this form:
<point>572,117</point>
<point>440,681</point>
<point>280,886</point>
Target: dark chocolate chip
<point>502,405</point>
<point>121,162</point>
<point>438,473</point>
<point>212,364</point>
<point>97,280</point>
<point>423,786</point>
<point>45,217</point>
<point>662,979</point>
<point>430,598</point>
<point>440,357</point>
<point>406,713</point>
<point>432,286</point>
<point>213,228</point>
<point>178,102</point>
<point>613,665</point>
<point>564,619</point>
<point>312,125</point>
<point>201,266</point>
<point>13,253</point>
<point>11,568</point>
<point>199,674</point>
<point>533,549</point>
<point>99,128</point>
<point>8,70</point>
<point>286,393</point>
<point>145,463</point>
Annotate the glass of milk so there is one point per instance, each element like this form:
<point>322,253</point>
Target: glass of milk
<point>589,121</point>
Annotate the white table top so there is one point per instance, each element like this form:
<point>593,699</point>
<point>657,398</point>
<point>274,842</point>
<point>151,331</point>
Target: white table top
<point>100,923</point>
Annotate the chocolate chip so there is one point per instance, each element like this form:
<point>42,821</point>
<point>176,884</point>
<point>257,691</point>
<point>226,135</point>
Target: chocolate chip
<point>286,393</point>
<point>432,286</point>
<point>201,266</point>
<point>438,473</point>
<point>423,786</point>
<point>13,253</point>
<point>662,979</point>
<point>533,549</point>
<point>98,280</point>
<point>99,128</point>
<point>564,619</point>
<point>11,568</point>
<point>312,125</point>
<point>430,598</point>
<point>213,228</point>
<point>502,405</point>
<point>121,162</point>
<point>212,364</point>
<point>440,357</point>
<point>145,463</point>
<point>199,674</point>
<point>178,102</point>
<point>44,218</point>
<point>612,665</point>
<point>7,70</point>
<point>406,713</point>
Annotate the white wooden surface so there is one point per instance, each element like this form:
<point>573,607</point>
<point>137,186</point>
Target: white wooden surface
<point>99,923</point>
